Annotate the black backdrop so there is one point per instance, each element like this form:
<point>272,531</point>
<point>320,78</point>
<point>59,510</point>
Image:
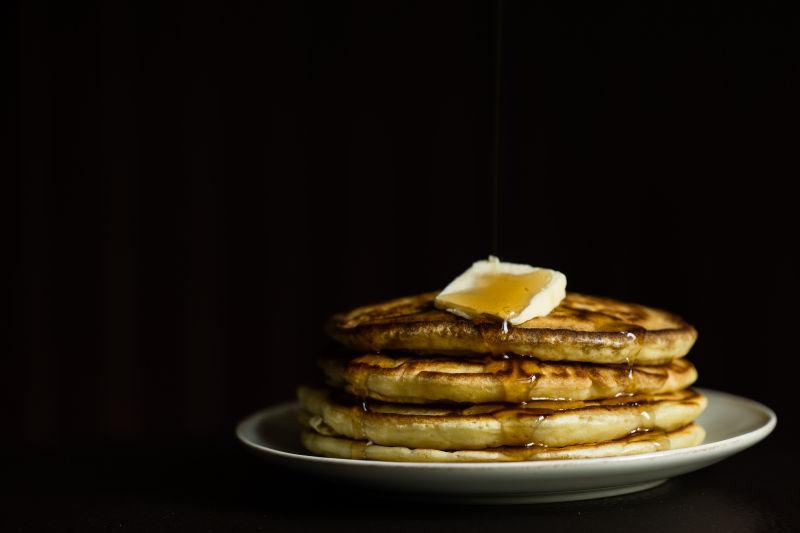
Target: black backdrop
<point>199,185</point>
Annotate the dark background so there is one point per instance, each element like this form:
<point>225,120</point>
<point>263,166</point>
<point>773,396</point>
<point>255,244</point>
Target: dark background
<point>200,184</point>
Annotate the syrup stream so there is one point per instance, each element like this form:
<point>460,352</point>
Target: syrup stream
<point>496,126</point>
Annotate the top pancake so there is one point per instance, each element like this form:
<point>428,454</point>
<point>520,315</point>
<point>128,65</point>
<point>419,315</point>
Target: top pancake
<point>582,328</point>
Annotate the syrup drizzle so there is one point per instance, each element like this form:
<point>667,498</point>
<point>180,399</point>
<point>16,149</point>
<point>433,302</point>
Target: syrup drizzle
<point>515,378</point>
<point>519,423</point>
<point>497,126</point>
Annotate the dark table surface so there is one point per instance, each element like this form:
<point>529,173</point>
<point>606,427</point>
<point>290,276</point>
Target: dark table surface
<point>220,487</point>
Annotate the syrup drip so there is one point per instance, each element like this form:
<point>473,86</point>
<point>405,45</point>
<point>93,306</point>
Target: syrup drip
<point>522,372</point>
<point>647,419</point>
<point>630,384</point>
<point>496,126</point>
<point>634,355</point>
<point>361,429</point>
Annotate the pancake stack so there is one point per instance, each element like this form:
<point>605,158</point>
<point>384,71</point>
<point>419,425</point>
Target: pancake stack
<point>594,378</point>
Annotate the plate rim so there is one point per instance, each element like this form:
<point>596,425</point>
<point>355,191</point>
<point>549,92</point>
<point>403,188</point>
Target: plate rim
<point>753,436</point>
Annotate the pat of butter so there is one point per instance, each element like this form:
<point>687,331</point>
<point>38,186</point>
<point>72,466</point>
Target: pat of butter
<point>511,292</point>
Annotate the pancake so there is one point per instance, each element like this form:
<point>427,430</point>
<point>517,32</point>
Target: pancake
<point>495,379</point>
<point>645,442</point>
<point>465,427</point>
<point>582,328</point>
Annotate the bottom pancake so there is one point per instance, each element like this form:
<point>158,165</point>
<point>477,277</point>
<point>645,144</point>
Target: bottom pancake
<point>637,443</point>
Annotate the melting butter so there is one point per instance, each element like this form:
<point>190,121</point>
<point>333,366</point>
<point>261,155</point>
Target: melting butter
<point>511,292</point>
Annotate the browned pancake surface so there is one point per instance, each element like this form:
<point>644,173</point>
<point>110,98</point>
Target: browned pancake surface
<point>478,426</point>
<point>636,443</point>
<point>582,328</point>
<point>489,379</point>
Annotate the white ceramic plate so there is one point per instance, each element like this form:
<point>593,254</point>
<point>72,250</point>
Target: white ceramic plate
<point>732,424</point>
